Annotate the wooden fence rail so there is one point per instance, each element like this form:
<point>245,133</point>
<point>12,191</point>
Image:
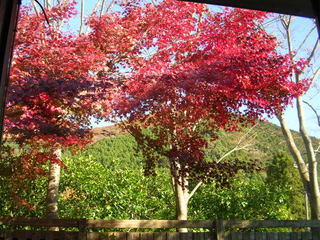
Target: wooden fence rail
<point>219,230</point>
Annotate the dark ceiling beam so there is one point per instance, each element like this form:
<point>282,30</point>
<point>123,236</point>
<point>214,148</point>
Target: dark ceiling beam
<point>8,19</point>
<point>292,7</point>
<point>302,8</point>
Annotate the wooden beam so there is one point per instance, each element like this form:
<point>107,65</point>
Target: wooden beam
<point>291,7</point>
<point>150,224</point>
<point>8,20</point>
<point>83,223</point>
<point>272,224</point>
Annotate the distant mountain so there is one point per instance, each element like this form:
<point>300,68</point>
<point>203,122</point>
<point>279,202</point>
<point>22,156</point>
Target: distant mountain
<point>263,140</point>
<point>100,133</point>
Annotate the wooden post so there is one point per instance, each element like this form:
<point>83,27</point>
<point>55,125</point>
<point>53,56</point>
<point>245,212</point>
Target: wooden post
<point>8,19</point>
<point>219,230</point>
<point>82,225</point>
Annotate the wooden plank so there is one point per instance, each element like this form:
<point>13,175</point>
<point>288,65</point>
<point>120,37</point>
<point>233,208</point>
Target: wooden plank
<point>234,236</point>
<point>227,236</point>
<point>293,236</point>
<point>133,236</point>
<point>24,234</point>
<point>95,235</point>
<point>260,236</point>
<point>200,236</point>
<point>149,224</point>
<point>246,235</point>
<point>115,235</point>
<point>306,236</point>
<point>315,236</point>
<point>271,236</point>
<point>292,7</point>
<point>197,236</point>
<point>186,236</point>
<point>240,236</point>
<point>220,224</point>
<point>251,236</point>
<point>282,236</point>
<point>172,236</point>
<point>209,236</point>
<point>272,224</point>
<point>146,236</point>
<point>155,223</point>
<point>160,236</point>
<point>39,222</point>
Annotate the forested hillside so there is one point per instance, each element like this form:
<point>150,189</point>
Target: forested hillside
<point>106,180</point>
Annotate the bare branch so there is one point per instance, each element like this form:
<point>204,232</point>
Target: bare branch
<point>237,148</point>
<point>240,144</point>
<point>102,7</point>
<point>35,8</point>
<point>313,50</point>
<point>110,6</point>
<point>314,110</point>
<point>194,190</point>
<point>317,150</point>
<point>81,16</point>
<point>44,12</point>
<point>305,39</point>
<point>93,11</point>
<point>315,74</point>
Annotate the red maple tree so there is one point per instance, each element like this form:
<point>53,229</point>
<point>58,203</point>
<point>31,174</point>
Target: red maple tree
<point>54,91</point>
<point>196,72</point>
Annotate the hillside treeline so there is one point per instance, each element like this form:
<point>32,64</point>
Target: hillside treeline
<point>106,181</point>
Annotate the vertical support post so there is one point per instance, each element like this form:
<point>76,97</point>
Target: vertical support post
<point>219,230</point>
<point>8,19</point>
<point>82,225</point>
<point>316,11</point>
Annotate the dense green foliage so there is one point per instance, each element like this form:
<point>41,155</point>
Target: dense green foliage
<point>106,181</point>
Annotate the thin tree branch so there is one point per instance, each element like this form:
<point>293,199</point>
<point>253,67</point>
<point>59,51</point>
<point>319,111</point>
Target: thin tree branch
<point>233,150</point>
<point>314,110</point>
<point>314,77</point>
<point>81,16</point>
<point>35,8</point>
<point>239,145</point>
<point>305,39</point>
<point>44,12</point>
<point>93,11</point>
<point>313,50</point>
<point>110,6</point>
<point>194,190</point>
<point>102,7</point>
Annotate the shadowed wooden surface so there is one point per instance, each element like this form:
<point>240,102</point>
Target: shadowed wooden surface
<point>81,229</point>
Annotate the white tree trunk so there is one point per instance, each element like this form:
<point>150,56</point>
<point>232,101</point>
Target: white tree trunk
<point>182,199</point>
<point>308,173</point>
<point>53,189</point>
<point>181,192</point>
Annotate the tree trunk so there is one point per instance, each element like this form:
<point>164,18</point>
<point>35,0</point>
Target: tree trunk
<point>312,163</point>
<point>308,173</point>
<point>181,191</point>
<point>53,190</point>
<point>181,195</point>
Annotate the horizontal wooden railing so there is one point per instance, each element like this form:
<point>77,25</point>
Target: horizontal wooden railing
<point>218,229</point>
<point>76,223</point>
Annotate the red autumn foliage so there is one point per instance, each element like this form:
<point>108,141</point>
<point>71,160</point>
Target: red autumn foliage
<point>53,92</point>
<point>204,72</point>
<point>177,69</point>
